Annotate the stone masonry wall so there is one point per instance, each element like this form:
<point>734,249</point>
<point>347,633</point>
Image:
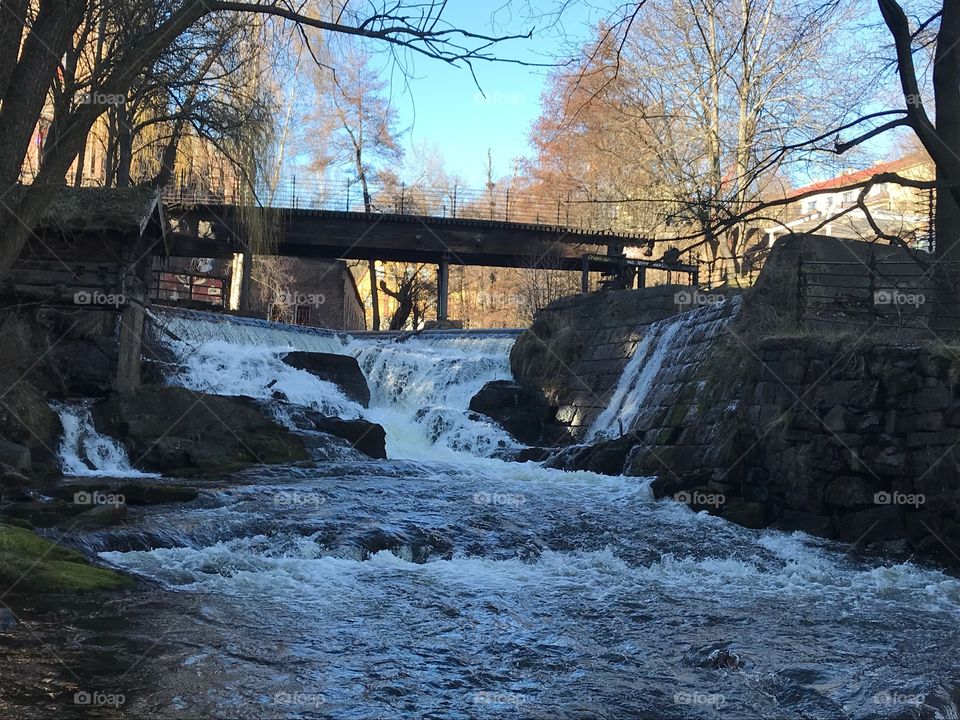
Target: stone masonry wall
<point>578,346</point>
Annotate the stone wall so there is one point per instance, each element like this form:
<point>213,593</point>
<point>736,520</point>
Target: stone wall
<point>577,347</point>
<point>840,432</point>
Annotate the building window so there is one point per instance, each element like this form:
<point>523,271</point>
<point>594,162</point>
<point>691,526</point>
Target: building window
<point>302,315</point>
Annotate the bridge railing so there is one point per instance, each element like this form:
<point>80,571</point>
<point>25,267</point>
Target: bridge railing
<point>506,204</point>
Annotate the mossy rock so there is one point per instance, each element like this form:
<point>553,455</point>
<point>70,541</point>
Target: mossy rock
<point>32,564</point>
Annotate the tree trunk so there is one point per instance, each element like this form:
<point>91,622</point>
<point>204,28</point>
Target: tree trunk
<point>946,83</point>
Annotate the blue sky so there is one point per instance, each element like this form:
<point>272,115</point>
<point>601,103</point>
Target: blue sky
<point>442,106</point>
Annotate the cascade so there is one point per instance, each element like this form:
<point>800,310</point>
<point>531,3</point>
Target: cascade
<point>85,452</point>
<point>665,345</point>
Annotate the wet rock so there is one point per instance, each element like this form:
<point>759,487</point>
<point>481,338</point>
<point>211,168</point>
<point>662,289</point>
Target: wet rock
<point>32,564</point>
<point>41,514</point>
<point>365,436</point>
<point>723,660</point>
<point>607,457</point>
<point>520,411</point>
<point>138,493</point>
<point>14,456</point>
<point>341,370</point>
<point>7,619</point>
<point>175,430</point>
<point>101,516</point>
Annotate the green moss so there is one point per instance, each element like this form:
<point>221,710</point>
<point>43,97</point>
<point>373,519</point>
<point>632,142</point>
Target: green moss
<point>30,563</point>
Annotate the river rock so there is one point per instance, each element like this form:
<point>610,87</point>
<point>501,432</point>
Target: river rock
<point>520,411</point>
<point>175,430</point>
<point>341,370</point>
<point>366,437</point>
<point>14,456</point>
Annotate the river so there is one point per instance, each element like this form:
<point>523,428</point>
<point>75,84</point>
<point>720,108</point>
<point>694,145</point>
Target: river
<point>447,583</point>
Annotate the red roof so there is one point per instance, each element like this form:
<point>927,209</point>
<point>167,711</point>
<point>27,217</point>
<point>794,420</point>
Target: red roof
<point>853,176</point>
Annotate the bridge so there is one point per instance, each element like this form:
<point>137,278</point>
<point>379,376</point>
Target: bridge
<point>507,227</point>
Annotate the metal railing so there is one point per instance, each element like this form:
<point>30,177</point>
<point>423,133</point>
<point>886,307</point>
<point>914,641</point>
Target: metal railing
<point>567,210</point>
<point>887,293</point>
<point>171,286</point>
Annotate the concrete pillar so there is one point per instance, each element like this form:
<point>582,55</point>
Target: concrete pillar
<point>128,357</point>
<point>443,288</point>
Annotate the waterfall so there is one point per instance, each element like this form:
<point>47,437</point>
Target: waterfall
<point>664,349</point>
<point>420,387</point>
<point>421,391</point>
<point>85,452</point>
<point>196,327</point>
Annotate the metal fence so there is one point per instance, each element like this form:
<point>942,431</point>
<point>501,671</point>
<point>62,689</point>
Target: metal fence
<point>907,293</point>
<point>510,204</point>
<point>196,288</point>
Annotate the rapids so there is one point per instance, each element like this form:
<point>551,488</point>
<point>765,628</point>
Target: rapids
<point>447,583</point>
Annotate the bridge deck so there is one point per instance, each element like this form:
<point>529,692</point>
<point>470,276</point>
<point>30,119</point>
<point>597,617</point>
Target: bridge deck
<point>393,237</point>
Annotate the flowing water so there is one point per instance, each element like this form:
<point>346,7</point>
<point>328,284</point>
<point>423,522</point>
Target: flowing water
<point>447,583</point>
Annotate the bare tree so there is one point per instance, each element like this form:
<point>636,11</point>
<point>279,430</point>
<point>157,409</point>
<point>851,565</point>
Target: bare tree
<point>35,36</point>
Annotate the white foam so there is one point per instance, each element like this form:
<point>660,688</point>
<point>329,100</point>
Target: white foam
<point>85,452</point>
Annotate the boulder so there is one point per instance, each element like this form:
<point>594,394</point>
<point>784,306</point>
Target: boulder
<point>366,437</point>
<point>16,457</point>
<point>175,430</point>
<point>32,564</point>
<point>522,412</point>
<point>341,370</point>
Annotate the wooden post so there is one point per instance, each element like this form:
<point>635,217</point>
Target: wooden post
<point>585,275</point>
<point>443,288</point>
<point>128,357</point>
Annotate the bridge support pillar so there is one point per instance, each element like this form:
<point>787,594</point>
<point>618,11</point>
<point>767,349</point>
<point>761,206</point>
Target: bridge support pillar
<point>585,275</point>
<point>245,281</point>
<point>443,288</point>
